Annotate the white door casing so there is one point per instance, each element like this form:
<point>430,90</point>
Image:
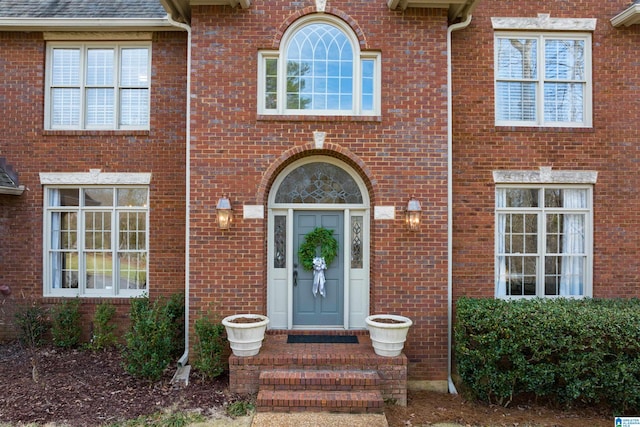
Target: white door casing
<point>355,250</point>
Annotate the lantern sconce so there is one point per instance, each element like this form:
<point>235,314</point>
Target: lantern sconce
<point>413,214</point>
<point>224,212</point>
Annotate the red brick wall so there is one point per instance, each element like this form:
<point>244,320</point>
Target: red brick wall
<point>610,147</point>
<point>31,150</point>
<point>403,152</point>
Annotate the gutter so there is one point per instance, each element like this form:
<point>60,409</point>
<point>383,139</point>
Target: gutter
<point>450,30</point>
<point>182,362</point>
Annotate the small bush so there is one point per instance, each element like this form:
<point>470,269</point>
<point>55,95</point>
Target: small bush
<point>148,350</point>
<point>66,329</point>
<point>570,351</point>
<point>210,344</point>
<point>175,311</point>
<point>32,324</point>
<point>103,336</point>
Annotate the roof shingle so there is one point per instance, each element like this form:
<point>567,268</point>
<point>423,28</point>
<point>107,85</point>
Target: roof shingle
<point>81,9</point>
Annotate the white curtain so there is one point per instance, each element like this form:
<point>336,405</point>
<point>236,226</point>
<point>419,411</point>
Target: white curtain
<point>501,285</point>
<point>56,256</point>
<point>573,244</point>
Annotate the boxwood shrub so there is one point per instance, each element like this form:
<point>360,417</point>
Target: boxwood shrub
<point>573,351</point>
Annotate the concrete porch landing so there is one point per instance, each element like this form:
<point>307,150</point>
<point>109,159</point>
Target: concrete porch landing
<point>348,378</point>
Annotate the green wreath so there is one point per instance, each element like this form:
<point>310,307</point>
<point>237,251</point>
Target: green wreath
<point>318,237</point>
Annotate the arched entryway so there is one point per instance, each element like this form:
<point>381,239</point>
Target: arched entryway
<point>318,191</point>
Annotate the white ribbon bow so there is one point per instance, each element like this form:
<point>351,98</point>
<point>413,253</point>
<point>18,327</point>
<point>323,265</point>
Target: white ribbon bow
<point>319,265</point>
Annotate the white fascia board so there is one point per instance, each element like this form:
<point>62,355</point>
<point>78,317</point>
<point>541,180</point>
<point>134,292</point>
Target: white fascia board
<point>14,191</point>
<point>89,24</point>
<point>629,16</point>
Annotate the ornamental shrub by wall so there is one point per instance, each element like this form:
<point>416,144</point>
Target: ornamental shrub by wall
<point>584,351</point>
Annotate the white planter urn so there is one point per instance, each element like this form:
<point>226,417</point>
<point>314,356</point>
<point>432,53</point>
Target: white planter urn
<point>388,332</point>
<point>245,333</point>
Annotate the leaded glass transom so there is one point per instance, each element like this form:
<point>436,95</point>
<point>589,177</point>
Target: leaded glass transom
<point>318,183</point>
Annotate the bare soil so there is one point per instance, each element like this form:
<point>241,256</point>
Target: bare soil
<point>87,388</point>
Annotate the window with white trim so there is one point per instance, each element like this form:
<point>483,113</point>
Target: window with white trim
<point>98,85</point>
<point>319,70</point>
<point>543,240</point>
<point>96,240</point>
<point>543,79</point>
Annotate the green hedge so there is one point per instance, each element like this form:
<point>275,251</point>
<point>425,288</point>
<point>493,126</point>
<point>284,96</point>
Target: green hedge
<point>583,351</point>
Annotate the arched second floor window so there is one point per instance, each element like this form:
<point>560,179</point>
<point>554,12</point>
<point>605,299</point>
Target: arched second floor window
<point>319,70</point>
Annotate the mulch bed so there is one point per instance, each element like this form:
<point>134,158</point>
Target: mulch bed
<point>88,388</point>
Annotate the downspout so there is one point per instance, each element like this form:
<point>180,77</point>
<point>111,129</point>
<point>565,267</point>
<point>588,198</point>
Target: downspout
<point>450,29</point>
<point>182,362</point>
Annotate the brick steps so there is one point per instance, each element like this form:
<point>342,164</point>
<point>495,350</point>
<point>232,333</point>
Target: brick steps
<point>295,390</point>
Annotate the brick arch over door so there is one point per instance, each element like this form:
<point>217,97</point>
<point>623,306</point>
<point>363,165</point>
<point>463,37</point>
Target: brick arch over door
<point>329,149</point>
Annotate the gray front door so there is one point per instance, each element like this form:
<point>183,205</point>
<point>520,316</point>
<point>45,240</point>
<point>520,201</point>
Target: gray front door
<point>310,310</point>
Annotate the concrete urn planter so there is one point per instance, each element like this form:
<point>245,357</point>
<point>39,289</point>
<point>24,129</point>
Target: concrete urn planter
<point>388,332</point>
<point>245,333</point>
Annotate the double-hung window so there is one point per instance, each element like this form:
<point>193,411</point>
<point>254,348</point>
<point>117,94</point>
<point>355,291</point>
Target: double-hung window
<point>96,240</point>
<point>98,85</point>
<point>543,240</point>
<point>319,70</point>
<point>543,79</point>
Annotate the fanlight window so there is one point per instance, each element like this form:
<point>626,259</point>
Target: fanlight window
<point>320,71</point>
<point>319,183</point>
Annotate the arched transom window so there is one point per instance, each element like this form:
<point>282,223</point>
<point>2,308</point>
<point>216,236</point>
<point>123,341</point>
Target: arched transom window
<point>319,183</point>
<point>319,70</point>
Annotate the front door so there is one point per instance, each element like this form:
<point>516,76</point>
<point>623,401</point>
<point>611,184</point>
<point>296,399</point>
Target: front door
<point>310,310</point>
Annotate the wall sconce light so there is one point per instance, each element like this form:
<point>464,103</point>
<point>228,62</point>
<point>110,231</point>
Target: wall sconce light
<point>225,215</point>
<point>413,214</point>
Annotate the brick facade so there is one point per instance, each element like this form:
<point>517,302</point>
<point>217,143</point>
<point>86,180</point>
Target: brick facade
<point>609,147</point>
<point>400,153</point>
<point>31,150</point>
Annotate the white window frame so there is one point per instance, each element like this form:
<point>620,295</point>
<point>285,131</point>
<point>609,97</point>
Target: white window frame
<point>82,86</point>
<point>358,58</point>
<point>541,27</point>
<point>80,181</point>
<point>545,179</point>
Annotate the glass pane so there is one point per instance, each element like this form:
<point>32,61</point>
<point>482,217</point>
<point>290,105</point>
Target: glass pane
<point>65,230</point>
<point>132,270</point>
<point>65,107</point>
<point>99,270</point>
<point>99,107</point>
<point>64,197</point>
<point>134,67</point>
<point>100,67</point>
<point>564,102</point>
<point>65,67</point>
<point>575,198</point>
<point>323,54</point>
<point>134,107</point>
<point>98,196</point>
<point>517,58</point>
<point>280,241</point>
<point>271,83</point>
<point>521,198</point>
<point>516,101</point>
<point>132,197</point>
<point>68,270</point>
<point>521,275</point>
<point>318,183</point>
<point>97,233</point>
<point>356,242</point>
<point>132,231</point>
<point>552,275</point>
<point>367,84</point>
<point>564,60</point>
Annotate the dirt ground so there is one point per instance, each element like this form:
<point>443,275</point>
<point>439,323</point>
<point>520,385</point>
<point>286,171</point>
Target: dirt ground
<point>85,388</point>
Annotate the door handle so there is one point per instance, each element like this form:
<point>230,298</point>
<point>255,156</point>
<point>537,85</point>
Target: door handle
<point>295,275</point>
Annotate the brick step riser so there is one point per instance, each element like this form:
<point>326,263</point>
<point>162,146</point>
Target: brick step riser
<point>319,401</point>
<point>319,380</point>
